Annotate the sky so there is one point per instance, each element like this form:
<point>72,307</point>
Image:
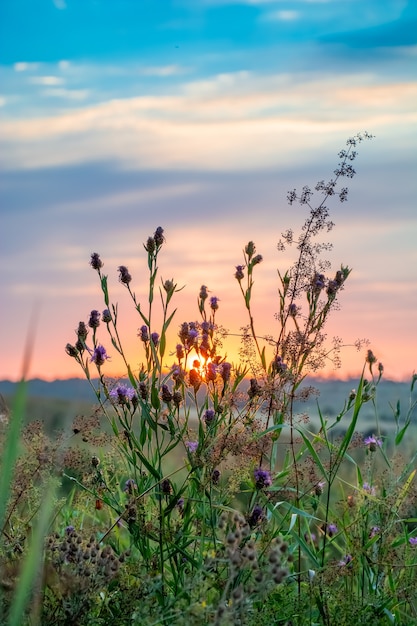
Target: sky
<point>199,116</point>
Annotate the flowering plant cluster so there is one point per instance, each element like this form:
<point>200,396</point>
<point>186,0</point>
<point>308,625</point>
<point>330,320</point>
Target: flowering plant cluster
<point>215,500</point>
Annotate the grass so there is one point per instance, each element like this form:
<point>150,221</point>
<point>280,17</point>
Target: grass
<point>202,494</point>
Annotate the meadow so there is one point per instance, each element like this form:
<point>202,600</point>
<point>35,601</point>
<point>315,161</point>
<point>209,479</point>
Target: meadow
<point>200,491</point>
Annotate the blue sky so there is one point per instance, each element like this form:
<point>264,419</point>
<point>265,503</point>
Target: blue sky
<point>199,115</point>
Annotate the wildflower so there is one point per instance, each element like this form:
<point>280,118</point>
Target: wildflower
<point>318,282</point>
<point>215,477</point>
<point>143,333</point>
<point>159,236</point>
<point>122,394</point>
<point>257,259</point>
<point>166,487</point>
<point>191,446</point>
<point>69,530</point>
<point>331,529</point>
<point>179,350</point>
<point>155,339</point>
<point>82,331</point>
<point>177,398</point>
<point>143,390</point>
<point>293,309</point>
<point>209,416</point>
<point>150,245</point>
<point>99,355</point>
<point>95,262</point>
<point>203,295</point>
<point>318,489</point>
<point>262,478</point>
<point>94,320</point>
<point>413,541</point>
<point>124,275</point>
<point>372,442</point>
<point>370,357</point>
<point>225,370</point>
<point>239,275</point>
<point>195,379</point>
<point>347,559</point>
<point>106,316</point>
<point>375,530</point>
<point>169,287</point>
<point>130,486</point>
<point>278,365</point>
<point>71,350</point>
<point>166,395</point>
<point>250,249</point>
<point>368,489</point>
<point>214,303</point>
<point>256,516</point>
<point>211,371</point>
<point>254,389</point>
<point>180,504</point>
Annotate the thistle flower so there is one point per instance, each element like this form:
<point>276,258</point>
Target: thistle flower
<point>166,394</point>
<point>94,321</point>
<point>71,350</point>
<point>372,443</point>
<point>124,275</point>
<point>263,478</point>
<point>209,416</point>
<point>106,316</point>
<point>122,394</point>
<point>99,355</point>
<point>347,560</point>
<point>95,261</point>
<point>256,516</point>
<point>130,486</point>
<point>155,339</point>
<point>159,236</point>
<point>143,333</point>
<point>82,331</point>
<point>191,446</point>
<point>214,303</point>
<point>239,275</point>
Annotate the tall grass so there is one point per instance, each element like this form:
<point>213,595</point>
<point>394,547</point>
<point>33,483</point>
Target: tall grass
<point>213,501</point>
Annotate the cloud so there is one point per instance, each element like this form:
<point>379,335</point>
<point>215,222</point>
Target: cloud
<point>283,16</point>
<point>162,71</point>
<point>232,120</point>
<point>46,80</point>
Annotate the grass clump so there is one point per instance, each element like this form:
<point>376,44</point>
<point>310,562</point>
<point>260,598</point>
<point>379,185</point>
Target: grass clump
<point>196,493</point>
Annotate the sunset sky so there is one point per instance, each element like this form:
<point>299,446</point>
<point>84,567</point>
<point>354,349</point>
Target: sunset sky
<point>118,116</point>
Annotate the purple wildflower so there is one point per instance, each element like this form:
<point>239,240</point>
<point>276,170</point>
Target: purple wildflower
<point>209,416</point>
<point>159,236</point>
<point>239,275</point>
<point>256,516</point>
<point>99,355</point>
<point>375,530</point>
<point>369,489</point>
<point>95,262</point>
<point>331,529</point>
<point>69,530</point>
<point>130,486</point>
<point>143,333</point>
<point>225,371</point>
<point>122,394</point>
<point>211,371</point>
<point>82,331</point>
<point>413,541</point>
<point>203,292</point>
<point>191,446</point>
<point>94,320</point>
<point>372,442</point>
<point>215,477</point>
<point>124,275</point>
<point>293,309</point>
<point>155,339</point>
<point>106,316</point>
<point>262,478</point>
<point>347,560</point>
<point>214,303</point>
